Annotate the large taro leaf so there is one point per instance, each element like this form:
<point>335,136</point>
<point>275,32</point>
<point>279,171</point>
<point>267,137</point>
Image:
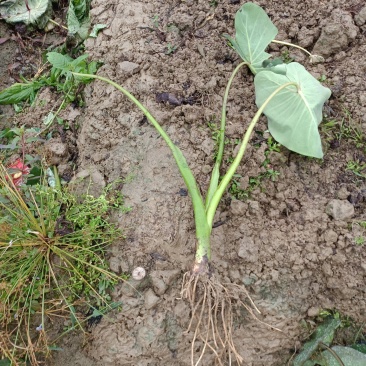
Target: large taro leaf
<point>349,357</point>
<point>254,32</point>
<point>323,334</point>
<point>295,112</point>
<point>30,12</point>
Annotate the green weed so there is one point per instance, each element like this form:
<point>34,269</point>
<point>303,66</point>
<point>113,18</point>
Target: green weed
<point>323,346</point>
<point>170,49</point>
<point>356,167</point>
<point>256,182</point>
<point>155,21</point>
<point>52,261</point>
<point>285,56</point>
<point>349,130</point>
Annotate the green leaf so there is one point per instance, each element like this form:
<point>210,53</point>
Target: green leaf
<point>79,61</point>
<point>254,32</point>
<point>293,114</point>
<point>54,348</point>
<point>93,67</point>
<point>349,357</point>
<point>96,29</point>
<point>323,334</point>
<point>359,347</point>
<point>49,118</point>
<point>78,20</point>
<point>19,92</point>
<point>73,316</point>
<point>17,11</point>
<point>59,61</point>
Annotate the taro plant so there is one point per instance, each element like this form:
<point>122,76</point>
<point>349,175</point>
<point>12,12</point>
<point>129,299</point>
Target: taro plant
<point>292,100</point>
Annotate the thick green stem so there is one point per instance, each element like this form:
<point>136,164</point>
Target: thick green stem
<point>203,257</point>
<point>216,170</point>
<point>232,169</point>
<point>202,229</point>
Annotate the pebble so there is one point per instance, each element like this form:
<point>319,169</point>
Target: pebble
<point>313,312</point>
<point>247,250</point>
<point>360,18</point>
<point>340,209</point>
<point>128,67</point>
<point>336,34</point>
<point>150,299</point>
<point>56,151</point>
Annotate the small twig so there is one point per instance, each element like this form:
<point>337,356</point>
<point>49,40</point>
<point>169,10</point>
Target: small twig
<point>58,24</point>
<point>332,353</point>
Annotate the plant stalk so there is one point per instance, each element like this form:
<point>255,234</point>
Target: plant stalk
<point>202,229</point>
<point>216,170</point>
<point>292,45</point>
<point>232,169</point>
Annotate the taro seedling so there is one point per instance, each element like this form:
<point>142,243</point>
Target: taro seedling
<point>292,99</point>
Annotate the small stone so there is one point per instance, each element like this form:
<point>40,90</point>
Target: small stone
<point>206,169</point>
<point>343,193</point>
<point>360,18</point>
<point>158,284</point>
<point>340,209</point>
<point>254,207</point>
<point>161,280</point>
<point>150,299</point>
<point>128,67</point>
<point>238,207</point>
<point>249,280</point>
<point>243,182</point>
<point>247,249</point>
<point>313,312</point>
<point>330,236</point>
<point>65,171</point>
<point>337,33</point>
<point>56,152</point>
<point>89,180</point>
<point>114,265</point>
<point>275,275</point>
<point>234,274</point>
<point>138,273</point>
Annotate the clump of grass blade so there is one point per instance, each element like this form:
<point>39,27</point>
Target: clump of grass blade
<point>52,262</point>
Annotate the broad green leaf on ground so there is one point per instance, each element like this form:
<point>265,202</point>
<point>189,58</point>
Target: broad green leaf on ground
<point>78,20</point>
<point>96,29</point>
<point>349,357</point>
<point>19,92</point>
<point>293,114</point>
<point>20,11</point>
<point>254,32</point>
<point>323,334</point>
<point>359,347</point>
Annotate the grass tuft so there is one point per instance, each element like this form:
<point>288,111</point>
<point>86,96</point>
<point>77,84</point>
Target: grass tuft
<point>52,262</point>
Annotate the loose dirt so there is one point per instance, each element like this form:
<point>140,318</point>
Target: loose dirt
<point>294,253</point>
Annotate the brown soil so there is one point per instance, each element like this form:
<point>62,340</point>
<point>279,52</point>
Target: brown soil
<point>293,257</point>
